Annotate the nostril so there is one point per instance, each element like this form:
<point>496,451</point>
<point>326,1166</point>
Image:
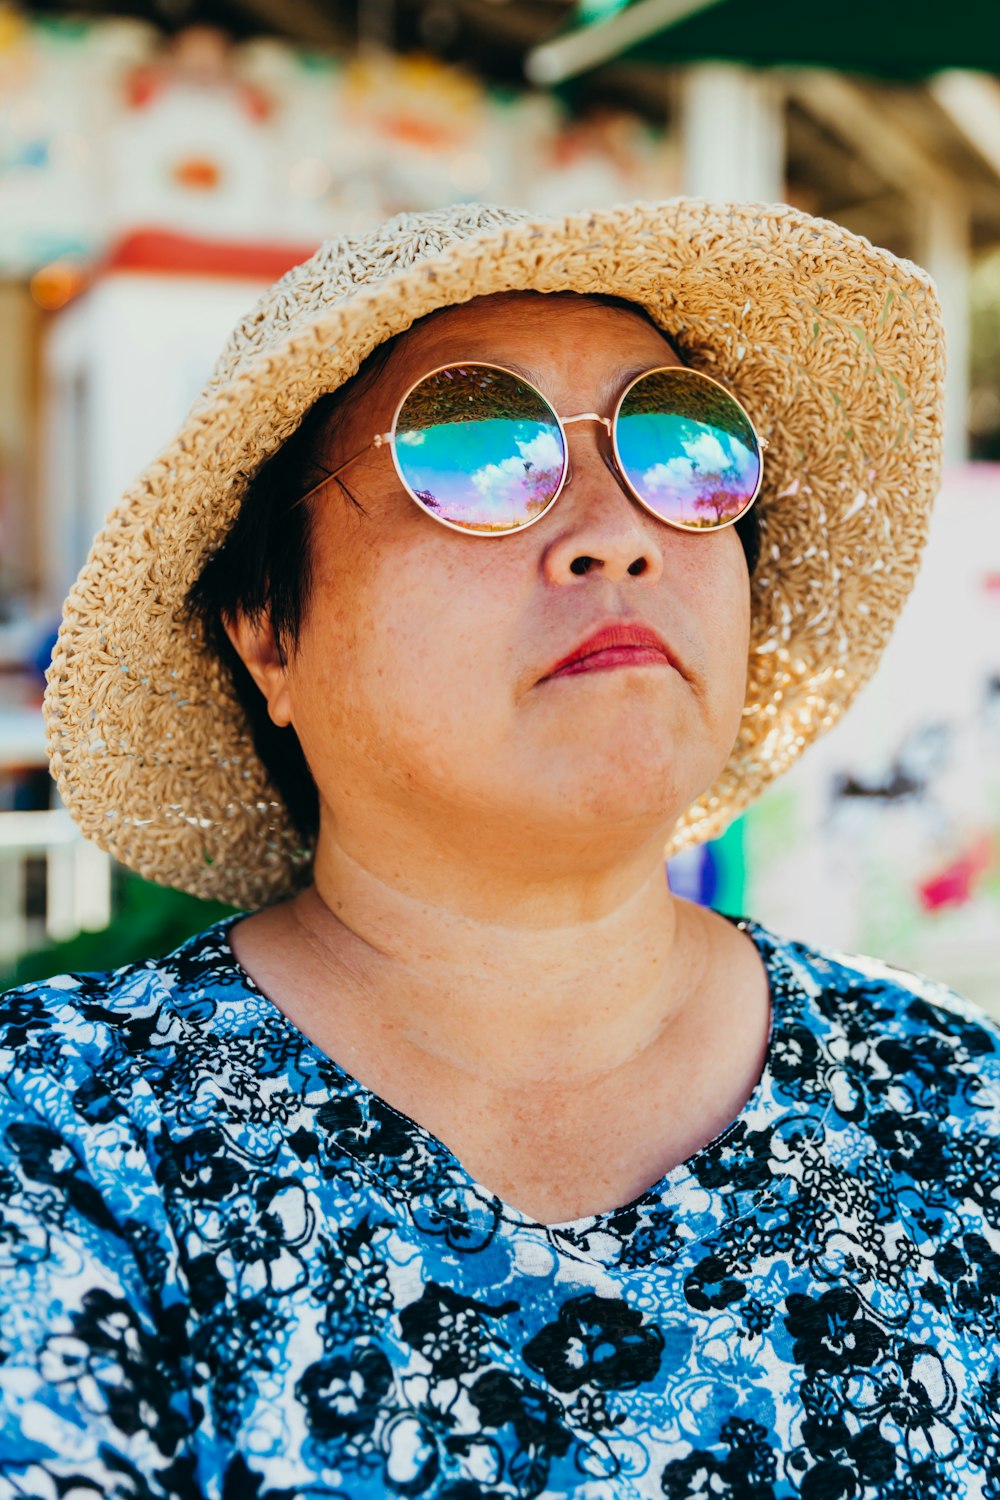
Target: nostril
<point>639,566</point>
<point>583,564</point>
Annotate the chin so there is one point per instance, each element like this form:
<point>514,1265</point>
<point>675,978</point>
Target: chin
<point>619,791</point>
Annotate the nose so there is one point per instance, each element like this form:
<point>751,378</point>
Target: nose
<point>598,525</point>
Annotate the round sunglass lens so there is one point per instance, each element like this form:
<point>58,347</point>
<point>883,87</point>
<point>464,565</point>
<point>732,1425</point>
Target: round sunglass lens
<point>479,448</point>
<point>688,449</point>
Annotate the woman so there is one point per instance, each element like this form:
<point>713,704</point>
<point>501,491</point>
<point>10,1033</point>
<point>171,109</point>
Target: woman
<point>468,1160</point>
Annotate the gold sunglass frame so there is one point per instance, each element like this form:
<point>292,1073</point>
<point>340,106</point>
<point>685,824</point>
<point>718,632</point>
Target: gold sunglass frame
<point>610,425</point>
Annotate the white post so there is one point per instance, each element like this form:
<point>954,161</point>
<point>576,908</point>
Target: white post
<point>78,890</point>
<point>78,876</point>
<point>12,923</point>
<point>732,133</point>
<point>943,235</point>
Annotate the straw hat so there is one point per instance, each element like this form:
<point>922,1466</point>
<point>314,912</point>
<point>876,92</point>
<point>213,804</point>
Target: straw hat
<point>834,347</point>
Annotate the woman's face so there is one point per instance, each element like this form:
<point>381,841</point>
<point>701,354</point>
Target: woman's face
<point>420,688</point>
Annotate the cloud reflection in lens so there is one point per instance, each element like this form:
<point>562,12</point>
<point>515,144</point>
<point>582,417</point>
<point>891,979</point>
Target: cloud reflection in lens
<point>687,448</point>
<point>479,447</point>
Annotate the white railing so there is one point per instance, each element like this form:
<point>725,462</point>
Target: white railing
<point>77,874</point>
<point>77,880</point>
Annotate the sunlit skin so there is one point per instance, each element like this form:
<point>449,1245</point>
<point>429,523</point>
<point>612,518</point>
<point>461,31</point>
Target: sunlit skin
<point>490,943</point>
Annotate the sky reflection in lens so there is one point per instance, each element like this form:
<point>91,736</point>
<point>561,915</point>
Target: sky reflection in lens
<point>688,448</point>
<point>479,448</point>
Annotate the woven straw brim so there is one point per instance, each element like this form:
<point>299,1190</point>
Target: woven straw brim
<point>835,348</point>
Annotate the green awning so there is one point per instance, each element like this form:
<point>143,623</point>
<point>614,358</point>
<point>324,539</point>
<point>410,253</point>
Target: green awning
<point>884,38</point>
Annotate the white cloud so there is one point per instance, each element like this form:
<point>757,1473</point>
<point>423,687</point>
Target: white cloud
<point>543,451</point>
<point>504,483</point>
<point>675,477</point>
<point>705,455</point>
<point>500,482</point>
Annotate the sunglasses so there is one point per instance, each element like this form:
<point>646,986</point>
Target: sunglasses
<point>481,450</point>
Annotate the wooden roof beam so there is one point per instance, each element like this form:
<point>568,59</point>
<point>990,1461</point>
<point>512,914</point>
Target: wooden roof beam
<point>972,103</point>
<point>848,112</point>
<point>307,21</point>
<point>586,47</point>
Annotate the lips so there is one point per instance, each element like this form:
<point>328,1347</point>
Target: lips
<point>619,645</point>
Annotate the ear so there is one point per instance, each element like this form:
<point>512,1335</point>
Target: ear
<point>257,648</point>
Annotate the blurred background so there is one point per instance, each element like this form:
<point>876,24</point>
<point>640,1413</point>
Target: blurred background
<point>161,161</point>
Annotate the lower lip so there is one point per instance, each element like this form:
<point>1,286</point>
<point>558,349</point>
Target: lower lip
<point>614,656</point>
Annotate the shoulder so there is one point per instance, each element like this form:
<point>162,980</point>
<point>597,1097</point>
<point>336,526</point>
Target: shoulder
<point>75,1024</point>
<point>906,1043</point>
<point>870,991</point>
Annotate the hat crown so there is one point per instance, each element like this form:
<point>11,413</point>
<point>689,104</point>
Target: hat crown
<point>341,267</point>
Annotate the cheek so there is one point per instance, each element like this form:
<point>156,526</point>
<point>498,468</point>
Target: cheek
<point>731,632</point>
<point>717,590</point>
<point>401,657</point>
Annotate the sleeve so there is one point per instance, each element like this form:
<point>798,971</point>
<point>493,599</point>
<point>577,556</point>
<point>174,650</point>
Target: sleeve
<point>93,1400</point>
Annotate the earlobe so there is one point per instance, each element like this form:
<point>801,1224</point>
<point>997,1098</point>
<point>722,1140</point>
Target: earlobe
<point>256,645</point>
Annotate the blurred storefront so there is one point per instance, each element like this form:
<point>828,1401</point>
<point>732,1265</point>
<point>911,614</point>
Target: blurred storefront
<point>150,185</point>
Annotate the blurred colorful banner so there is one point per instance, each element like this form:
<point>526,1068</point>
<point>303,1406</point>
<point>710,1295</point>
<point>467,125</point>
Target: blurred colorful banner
<point>885,839</point>
<point>106,126</point>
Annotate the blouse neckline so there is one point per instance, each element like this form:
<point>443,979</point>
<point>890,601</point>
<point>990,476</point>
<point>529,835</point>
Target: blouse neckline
<point>721,1179</point>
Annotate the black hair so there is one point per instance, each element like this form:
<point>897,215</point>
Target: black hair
<point>263,569</point>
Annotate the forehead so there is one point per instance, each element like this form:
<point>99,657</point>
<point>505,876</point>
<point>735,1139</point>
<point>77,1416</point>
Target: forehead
<point>525,326</point>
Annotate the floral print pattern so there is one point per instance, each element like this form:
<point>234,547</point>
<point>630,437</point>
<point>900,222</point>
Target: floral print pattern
<point>231,1271</point>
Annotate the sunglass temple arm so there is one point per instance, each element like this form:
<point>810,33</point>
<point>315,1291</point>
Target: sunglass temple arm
<point>378,441</point>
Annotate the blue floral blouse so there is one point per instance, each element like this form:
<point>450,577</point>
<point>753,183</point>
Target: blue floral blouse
<point>229,1270</point>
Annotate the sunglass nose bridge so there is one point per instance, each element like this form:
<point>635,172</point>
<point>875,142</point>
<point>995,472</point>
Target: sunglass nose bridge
<point>589,416</point>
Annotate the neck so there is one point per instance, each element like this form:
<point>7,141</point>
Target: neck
<point>572,979</point>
